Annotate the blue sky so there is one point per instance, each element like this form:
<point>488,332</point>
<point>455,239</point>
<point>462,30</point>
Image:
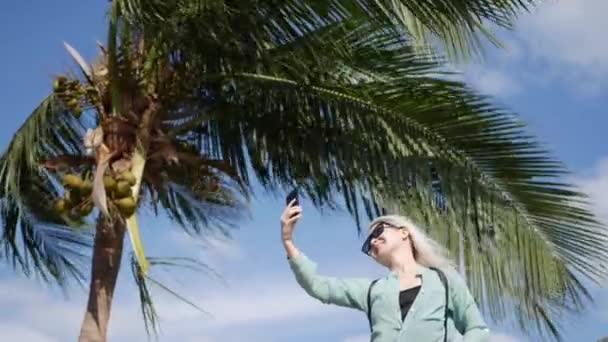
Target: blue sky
<point>553,72</point>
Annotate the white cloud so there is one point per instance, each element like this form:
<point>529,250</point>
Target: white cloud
<point>496,337</point>
<point>268,300</point>
<point>493,82</point>
<point>212,249</point>
<point>276,299</point>
<point>560,42</point>
<point>210,244</point>
<point>595,184</point>
<point>15,331</point>
<point>44,315</point>
<point>569,32</point>
<point>500,337</point>
<point>358,338</point>
<point>564,42</point>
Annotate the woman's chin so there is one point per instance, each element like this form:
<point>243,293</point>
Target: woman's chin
<point>381,257</point>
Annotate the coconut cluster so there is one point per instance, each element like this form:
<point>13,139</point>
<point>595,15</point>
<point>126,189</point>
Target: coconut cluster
<point>73,94</point>
<point>118,189</point>
<point>76,202</point>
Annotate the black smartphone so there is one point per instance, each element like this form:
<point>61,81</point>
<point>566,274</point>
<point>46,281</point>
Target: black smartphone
<point>291,196</point>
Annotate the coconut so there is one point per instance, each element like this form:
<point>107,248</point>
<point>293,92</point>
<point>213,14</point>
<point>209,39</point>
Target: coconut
<point>86,209</point>
<point>58,86</point>
<point>126,205</point>
<point>71,180</point>
<point>73,103</point>
<point>109,183</point>
<point>77,111</point>
<point>128,176</point>
<point>123,189</point>
<point>70,198</point>
<point>91,90</point>
<point>74,84</point>
<point>60,205</point>
<point>87,187</point>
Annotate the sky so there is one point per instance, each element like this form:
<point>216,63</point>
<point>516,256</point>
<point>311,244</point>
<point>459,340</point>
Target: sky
<point>553,71</point>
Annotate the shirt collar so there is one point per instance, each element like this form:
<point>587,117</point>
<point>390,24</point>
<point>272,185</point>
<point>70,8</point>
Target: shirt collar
<point>420,270</point>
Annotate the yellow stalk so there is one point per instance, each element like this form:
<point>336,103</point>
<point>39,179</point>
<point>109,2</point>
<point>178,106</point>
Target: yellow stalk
<point>139,162</point>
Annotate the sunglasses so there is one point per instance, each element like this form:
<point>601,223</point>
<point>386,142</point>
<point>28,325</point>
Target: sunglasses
<point>376,232</point>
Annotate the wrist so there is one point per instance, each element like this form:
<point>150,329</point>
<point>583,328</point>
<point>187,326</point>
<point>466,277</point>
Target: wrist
<point>290,249</point>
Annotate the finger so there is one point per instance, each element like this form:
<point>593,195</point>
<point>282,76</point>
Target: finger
<point>290,207</point>
<point>295,210</point>
<point>293,201</point>
<point>286,212</point>
<point>290,212</point>
<point>295,218</point>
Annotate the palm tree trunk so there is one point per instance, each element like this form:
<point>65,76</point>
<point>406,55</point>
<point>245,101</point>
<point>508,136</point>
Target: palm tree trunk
<point>107,253</point>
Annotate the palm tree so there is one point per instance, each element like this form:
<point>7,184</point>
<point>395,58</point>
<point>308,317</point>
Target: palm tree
<point>188,100</point>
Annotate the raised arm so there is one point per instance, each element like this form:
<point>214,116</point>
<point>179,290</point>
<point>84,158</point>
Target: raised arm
<point>343,292</point>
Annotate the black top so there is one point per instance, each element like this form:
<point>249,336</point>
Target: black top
<point>406,298</point>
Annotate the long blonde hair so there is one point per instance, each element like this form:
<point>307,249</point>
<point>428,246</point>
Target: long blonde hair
<point>427,252</point>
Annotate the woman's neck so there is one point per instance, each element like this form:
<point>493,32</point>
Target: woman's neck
<point>404,264</point>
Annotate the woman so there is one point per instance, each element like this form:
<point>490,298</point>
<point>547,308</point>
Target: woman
<point>408,304</point>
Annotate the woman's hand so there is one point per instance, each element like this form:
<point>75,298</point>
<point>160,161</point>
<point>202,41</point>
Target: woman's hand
<point>291,215</point>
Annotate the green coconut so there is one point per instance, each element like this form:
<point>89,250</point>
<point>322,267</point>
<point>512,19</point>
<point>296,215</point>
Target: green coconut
<point>86,188</point>
<point>73,103</point>
<point>58,85</point>
<point>74,84</point>
<point>71,180</point>
<point>109,183</point>
<point>123,189</point>
<point>86,209</point>
<point>76,111</point>
<point>126,205</point>
<point>90,90</point>
<point>60,205</point>
<point>70,198</point>
<point>128,176</point>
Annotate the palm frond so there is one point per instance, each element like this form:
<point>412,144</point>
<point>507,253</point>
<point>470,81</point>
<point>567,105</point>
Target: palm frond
<point>461,27</point>
<point>344,97</point>
<point>143,283</point>
<point>198,194</point>
<point>35,238</point>
<point>370,141</point>
<point>146,302</point>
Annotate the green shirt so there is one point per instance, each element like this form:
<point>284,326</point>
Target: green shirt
<point>424,321</point>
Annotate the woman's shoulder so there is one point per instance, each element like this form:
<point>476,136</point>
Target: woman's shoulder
<point>453,278</point>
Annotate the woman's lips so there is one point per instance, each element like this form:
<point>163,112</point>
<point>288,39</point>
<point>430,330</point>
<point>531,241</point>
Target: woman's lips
<point>376,245</point>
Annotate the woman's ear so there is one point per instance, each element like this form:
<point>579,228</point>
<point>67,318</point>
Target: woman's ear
<point>405,234</point>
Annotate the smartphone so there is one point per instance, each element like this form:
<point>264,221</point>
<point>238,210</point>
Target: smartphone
<point>292,195</point>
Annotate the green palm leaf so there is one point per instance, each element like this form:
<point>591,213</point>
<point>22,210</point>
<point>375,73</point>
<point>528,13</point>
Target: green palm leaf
<point>369,134</point>
<point>459,26</point>
<point>33,236</point>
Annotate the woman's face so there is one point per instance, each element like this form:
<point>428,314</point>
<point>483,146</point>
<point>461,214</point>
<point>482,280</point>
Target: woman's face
<point>385,239</point>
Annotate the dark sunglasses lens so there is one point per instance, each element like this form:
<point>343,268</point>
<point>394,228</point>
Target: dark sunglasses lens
<point>367,245</point>
<point>378,231</point>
